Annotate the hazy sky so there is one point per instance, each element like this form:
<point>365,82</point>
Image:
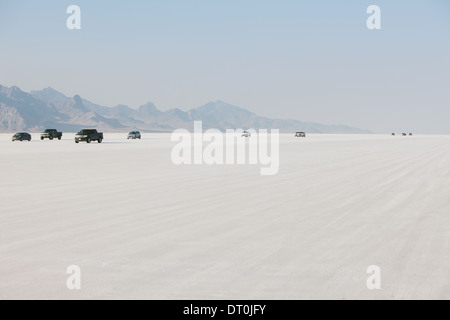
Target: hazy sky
<point>306,60</point>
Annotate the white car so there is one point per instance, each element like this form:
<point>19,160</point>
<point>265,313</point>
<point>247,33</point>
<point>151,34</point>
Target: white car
<point>134,135</point>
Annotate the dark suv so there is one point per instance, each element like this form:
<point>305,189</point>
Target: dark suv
<point>20,136</point>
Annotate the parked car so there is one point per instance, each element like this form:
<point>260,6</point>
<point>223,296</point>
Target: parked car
<point>134,135</point>
<point>51,134</point>
<point>410,134</point>
<point>300,135</point>
<point>89,135</point>
<point>20,136</point>
<point>393,134</point>
<point>404,134</point>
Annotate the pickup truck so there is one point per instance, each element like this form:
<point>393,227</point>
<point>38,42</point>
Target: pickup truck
<point>89,135</point>
<point>51,134</point>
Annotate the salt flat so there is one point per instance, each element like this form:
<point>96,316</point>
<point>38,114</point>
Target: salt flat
<point>140,227</point>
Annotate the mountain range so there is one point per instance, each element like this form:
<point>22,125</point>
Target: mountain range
<point>48,108</point>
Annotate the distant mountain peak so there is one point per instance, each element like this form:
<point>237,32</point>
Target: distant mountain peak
<point>77,98</point>
<point>49,95</point>
<point>50,90</point>
<point>149,108</point>
<point>149,104</point>
<point>14,92</point>
<point>221,106</point>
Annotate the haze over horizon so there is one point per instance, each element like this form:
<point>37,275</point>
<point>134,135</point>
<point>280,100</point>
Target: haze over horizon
<point>314,62</point>
<point>37,110</point>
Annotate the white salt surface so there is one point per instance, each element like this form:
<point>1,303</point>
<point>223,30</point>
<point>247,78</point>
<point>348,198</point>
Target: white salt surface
<point>140,227</point>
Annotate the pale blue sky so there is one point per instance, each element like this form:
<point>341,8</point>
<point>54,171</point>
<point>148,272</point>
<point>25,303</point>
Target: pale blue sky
<point>306,60</point>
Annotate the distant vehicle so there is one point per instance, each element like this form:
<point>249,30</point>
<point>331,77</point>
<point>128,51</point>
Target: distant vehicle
<point>89,135</point>
<point>51,134</point>
<point>393,134</point>
<point>246,134</point>
<point>404,134</point>
<point>410,134</point>
<point>300,135</point>
<point>134,135</point>
<point>20,136</point>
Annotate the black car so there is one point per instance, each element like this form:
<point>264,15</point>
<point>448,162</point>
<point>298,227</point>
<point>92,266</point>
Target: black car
<point>21,136</point>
